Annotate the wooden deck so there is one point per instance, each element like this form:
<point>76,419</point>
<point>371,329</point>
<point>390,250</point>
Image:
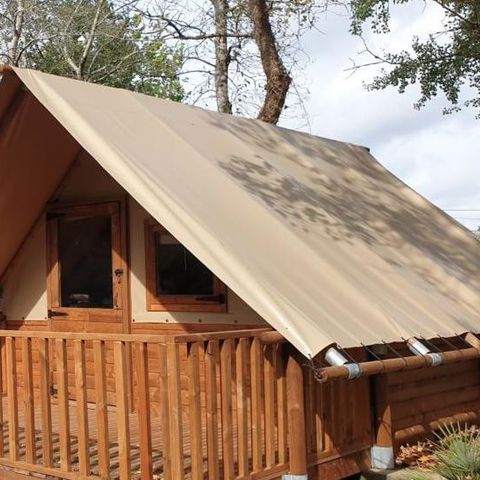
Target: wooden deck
<point>157,458</point>
<point>157,446</point>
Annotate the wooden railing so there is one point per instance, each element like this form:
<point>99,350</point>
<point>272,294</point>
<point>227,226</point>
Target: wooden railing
<point>129,406</point>
<point>89,406</point>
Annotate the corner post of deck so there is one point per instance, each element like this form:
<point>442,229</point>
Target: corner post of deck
<point>296,417</point>
<point>383,449</point>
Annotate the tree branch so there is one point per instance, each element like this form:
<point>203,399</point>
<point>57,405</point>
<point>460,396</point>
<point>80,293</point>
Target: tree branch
<point>91,36</point>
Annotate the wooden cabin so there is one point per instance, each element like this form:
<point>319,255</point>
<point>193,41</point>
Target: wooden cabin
<point>190,295</point>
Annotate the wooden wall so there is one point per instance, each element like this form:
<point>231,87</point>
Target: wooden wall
<point>420,400</point>
<point>339,424</point>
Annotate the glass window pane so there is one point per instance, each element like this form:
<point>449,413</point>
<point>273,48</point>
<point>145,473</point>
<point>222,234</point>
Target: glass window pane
<point>178,271</point>
<point>85,256</point>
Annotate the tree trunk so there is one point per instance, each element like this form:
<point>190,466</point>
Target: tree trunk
<point>278,79</point>
<point>13,56</point>
<point>222,56</point>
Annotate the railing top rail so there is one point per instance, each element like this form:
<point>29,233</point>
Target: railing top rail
<point>144,338</point>
<point>221,335</point>
<point>120,337</point>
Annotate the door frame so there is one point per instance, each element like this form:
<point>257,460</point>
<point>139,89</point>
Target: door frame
<point>117,207</point>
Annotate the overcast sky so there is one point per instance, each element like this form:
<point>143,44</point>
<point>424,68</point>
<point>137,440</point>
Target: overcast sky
<point>437,155</point>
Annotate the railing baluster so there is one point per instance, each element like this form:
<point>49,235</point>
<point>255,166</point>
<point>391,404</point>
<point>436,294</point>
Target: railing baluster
<point>164,412</point>
<point>212,421</point>
<point>256,388</point>
<point>326,406</point>
<point>63,406</point>
<point>28,405</point>
<point>123,425</point>
<point>227,422</point>
<point>174,402</point>
<point>103,437</point>
<point>281,405</point>
<point>81,403</point>
<point>269,382</point>
<point>319,427</point>
<point>12,398</point>
<point>143,409</point>
<point>195,411</point>
<point>309,413</point>
<point>242,405</point>
<point>45,404</point>
<point>2,365</point>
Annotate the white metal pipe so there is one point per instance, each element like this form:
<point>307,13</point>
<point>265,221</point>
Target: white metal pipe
<point>418,348</point>
<point>336,359</point>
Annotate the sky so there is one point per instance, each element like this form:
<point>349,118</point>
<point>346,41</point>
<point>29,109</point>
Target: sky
<point>437,155</point>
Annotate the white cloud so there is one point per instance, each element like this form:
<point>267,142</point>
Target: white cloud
<point>437,155</point>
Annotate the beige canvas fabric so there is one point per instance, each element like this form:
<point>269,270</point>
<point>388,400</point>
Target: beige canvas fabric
<point>30,168</point>
<point>314,234</point>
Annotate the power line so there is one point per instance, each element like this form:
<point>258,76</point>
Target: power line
<point>461,209</point>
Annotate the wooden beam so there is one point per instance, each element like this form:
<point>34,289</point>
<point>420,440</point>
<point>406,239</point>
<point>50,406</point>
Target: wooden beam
<point>383,412</point>
<point>402,363</point>
<point>472,340</point>
<point>272,337</point>
<point>4,68</point>
<point>296,414</point>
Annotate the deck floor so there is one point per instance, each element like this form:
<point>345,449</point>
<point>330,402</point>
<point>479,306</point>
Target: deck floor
<point>157,457</point>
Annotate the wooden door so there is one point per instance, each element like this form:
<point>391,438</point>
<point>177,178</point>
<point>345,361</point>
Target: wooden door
<point>86,269</point>
<point>87,283</point>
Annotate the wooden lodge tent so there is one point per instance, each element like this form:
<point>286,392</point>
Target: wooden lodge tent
<point>108,197</point>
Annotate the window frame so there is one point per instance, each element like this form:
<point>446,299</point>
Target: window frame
<point>176,303</point>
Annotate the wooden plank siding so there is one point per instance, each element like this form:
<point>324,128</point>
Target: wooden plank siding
<point>421,400</point>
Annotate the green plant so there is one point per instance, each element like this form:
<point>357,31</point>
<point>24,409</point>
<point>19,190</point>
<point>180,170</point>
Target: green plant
<point>455,455</point>
<point>458,455</point>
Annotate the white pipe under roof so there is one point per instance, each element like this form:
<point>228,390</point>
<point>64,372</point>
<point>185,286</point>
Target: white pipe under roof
<point>418,348</point>
<point>336,359</point>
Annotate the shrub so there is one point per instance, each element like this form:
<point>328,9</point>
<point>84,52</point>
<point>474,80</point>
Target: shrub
<point>454,454</point>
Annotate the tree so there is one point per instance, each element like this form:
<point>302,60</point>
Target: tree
<point>447,61</point>
<point>277,78</point>
<point>241,53</point>
<point>91,40</point>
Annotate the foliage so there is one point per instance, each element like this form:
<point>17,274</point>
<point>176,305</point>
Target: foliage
<point>446,61</point>
<point>94,40</point>
<point>455,455</point>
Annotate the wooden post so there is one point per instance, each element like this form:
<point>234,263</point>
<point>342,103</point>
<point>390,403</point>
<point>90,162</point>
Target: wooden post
<point>296,415</point>
<point>382,451</point>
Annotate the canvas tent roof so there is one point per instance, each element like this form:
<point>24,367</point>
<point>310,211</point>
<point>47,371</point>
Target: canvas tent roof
<point>314,234</point>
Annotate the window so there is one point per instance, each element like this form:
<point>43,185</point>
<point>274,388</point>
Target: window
<point>85,262</point>
<point>176,279</point>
